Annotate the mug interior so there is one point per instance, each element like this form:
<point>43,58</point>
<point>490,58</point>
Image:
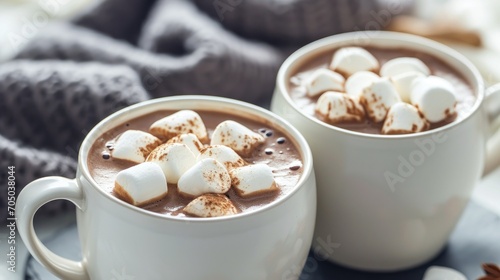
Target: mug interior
<point>381,39</point>
<point>194,102</point>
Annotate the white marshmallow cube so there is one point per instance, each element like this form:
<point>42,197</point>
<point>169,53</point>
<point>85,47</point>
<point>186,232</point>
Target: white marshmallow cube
<point>443,273</point>
<point>134,145</point>
<point>223,154</point>
<point>350,60</point>
<point>253,179</point>
<point>403,118</point>
<point>174,159</point>
<point>189,140</point>
<point>141,184</point>
<point>378,99</point>
<point>210,205</point>
<point>237,137</point>
<point>206,176</point>
<point>403,83</point>
<point>401,65</point>
<point>434,97</point>
<point>336,107</point>
<point>356,83</point>
<point>323,80</point>
<point>184,121</point>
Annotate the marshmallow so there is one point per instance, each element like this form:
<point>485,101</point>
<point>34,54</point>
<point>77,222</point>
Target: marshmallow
<point>141,184</point>
<point>174,159</point>
<point>378,98</point>
<point>350,60</point>
<point>358,81</point>
<point>253,179</point>
<point>190,140</point>
<point>222,154</point>
<point>403,82</point>
<point>210,205</point>
<point>323,80</point>
<point>237,137</point>
<point>206,176</point>
<point>443,273</point>
<point>434,97</point>
<point>134,145</point>
<point>403,118</point>
<point>336,107</point>
<point>401,65</point>
<point>185,121</point>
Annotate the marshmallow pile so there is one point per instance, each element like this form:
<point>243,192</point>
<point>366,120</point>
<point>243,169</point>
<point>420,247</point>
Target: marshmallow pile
<point>401,93</point>
<point>173,153</point>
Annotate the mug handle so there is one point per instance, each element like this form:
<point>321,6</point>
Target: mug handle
<point>492,105</point>
<point>31,198</point>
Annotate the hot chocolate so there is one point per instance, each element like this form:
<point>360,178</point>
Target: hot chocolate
<point>276,151</point>
<point>315,87</point>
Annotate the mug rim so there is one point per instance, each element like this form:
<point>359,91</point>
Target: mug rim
<point>374,37</point>
<point>252,109</point>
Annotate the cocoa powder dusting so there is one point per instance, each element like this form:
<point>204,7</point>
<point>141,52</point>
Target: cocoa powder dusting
<point>104,171</point>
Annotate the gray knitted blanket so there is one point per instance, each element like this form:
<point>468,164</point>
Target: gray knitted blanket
<point>118,53</point>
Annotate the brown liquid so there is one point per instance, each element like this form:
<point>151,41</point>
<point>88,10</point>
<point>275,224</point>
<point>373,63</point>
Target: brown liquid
<point>463,90</point>
<point>278,151</point>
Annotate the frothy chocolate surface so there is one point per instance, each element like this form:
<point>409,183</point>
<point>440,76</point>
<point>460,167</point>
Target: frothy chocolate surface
<point>463,90</point>
<point>279,152</point>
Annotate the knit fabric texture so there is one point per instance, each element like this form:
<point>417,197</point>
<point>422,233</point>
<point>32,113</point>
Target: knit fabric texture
<point>118,53</point>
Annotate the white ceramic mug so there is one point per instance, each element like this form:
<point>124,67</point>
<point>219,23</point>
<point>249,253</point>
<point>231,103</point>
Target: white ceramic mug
<point>391,201</point>
<point>120,240</point>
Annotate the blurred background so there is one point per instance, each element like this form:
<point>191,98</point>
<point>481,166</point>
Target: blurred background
<point>472,27</point>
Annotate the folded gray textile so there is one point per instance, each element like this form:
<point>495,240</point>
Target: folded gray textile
<point>118,53</point>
